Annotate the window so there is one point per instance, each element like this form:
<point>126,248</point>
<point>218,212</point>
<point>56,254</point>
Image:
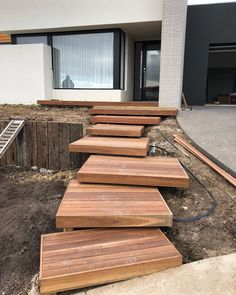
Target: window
<point>84,59</point>
<point>87,60</point>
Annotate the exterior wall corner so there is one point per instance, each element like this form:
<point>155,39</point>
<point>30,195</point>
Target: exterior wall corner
<point>172,52</point>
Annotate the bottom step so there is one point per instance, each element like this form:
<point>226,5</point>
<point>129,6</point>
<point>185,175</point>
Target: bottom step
<point>85,258</point>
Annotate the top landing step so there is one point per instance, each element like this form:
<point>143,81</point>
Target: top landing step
<point>89,104</point>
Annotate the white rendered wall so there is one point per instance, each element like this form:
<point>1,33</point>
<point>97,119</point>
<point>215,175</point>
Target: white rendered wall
<point>172,52</point>
<point>25,73</point>
<point>87,95</point>
<point>35,15</point>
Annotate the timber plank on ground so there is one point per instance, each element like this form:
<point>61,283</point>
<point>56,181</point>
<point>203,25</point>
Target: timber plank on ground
<point>111,146</point>
<point>204,159</point>
<point>85,258</point>
<point>148,171</point>
<point>116,130</point>
<point>75,103</point>
<point>92,205</point>
<point>133,120</point>
<point>133,111</point>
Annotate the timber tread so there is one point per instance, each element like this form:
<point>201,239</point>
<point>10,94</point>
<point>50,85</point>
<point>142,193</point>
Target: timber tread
<point>115,130</point>
<point>133,111</point>
<point>84,258</point>
<point>148,171</point>
<point>133,120</point>
<point>111,146</point>
<point>77,103</point>
<point>92,205</point>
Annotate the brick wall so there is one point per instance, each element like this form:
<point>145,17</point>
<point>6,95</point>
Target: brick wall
<point>172,52</point>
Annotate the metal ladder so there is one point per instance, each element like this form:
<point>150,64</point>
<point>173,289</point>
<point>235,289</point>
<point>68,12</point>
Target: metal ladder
<point>9,134</point>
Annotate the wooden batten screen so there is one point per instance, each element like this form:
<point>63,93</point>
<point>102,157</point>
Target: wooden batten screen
<point>45,145</point>
<point>5,38</point>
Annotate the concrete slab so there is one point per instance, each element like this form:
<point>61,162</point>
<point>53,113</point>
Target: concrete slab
<point>213,276</point>
<point>213,130</point>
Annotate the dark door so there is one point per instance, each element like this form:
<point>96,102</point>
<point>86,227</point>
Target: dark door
<point>147,72</point>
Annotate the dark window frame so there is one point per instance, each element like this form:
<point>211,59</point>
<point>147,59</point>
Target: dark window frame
<point>117,48</point>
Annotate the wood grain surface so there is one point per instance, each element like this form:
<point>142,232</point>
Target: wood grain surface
<point>116,130</point>
<point>111,146</point>
<point>84,258</point>
<point>92,205</point>
<point>134,120</point>
<point>77,103</point>
<point>150,171</point>
<point>133,111</point>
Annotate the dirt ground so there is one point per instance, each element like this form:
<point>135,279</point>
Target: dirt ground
<point>29,201</point>
<point>211,236</point>
<point>42,113</point>
<point>28,204</point>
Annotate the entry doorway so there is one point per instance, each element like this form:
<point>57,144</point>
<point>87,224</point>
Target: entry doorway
<point>147,71</point>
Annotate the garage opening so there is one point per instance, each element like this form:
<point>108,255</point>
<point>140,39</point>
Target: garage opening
<point>221,81</point>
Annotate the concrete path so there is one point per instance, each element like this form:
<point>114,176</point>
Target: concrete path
<point>213,130</point>
<point>213,276</point>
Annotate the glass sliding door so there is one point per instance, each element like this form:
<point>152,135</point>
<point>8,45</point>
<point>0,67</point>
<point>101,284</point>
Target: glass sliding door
<point>84,60</point>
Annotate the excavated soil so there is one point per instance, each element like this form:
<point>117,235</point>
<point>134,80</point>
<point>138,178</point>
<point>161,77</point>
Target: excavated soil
<point>29,201</point>
<point>42,113</point>
<point>211,236</point>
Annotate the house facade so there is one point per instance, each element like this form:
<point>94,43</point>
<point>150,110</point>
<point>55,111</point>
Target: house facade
<point>93,50</point>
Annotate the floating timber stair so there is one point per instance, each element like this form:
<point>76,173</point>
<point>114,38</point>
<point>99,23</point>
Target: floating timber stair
<point>133,111</point>
<point>148,171</point>
<point>92,205</point>
<point>84,258</point>
<point>132,120</point>
<point>111,146</point>
<point>115,130</point>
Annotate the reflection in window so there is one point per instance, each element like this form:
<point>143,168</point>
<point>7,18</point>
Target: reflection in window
<point>153,68</point>
<point>83,60</point>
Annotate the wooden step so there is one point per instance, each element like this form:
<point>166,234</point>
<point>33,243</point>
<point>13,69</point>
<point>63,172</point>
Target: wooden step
<point>133,120</point>
<point>116,130</point>
<point>111,146</point>
<point>85,258</point>
<point>133,111</point>
<point>150,171</point>
<point>94,205</point>
<point>77,103</point>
